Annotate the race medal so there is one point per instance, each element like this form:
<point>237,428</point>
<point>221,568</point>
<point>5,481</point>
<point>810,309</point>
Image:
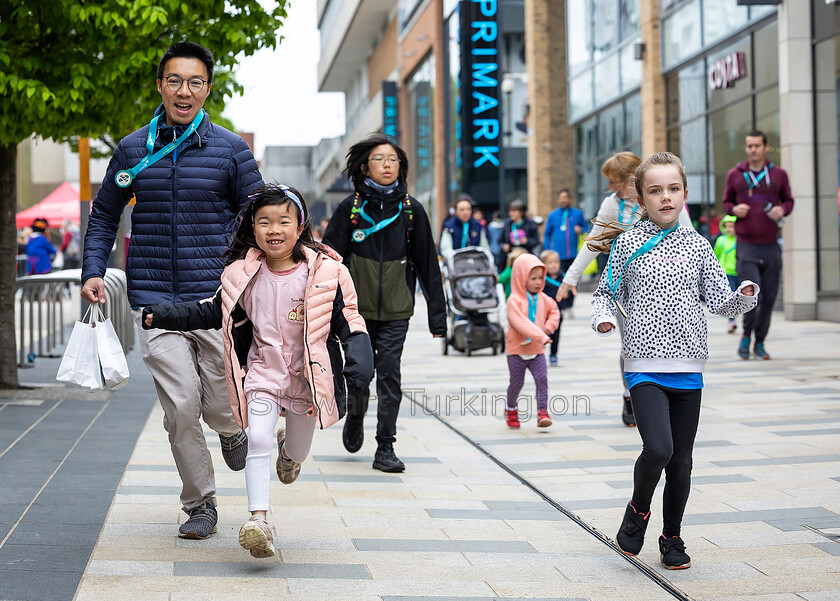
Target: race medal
<point>123,179</point>
<point>621,309</point>
<point>359,235</point>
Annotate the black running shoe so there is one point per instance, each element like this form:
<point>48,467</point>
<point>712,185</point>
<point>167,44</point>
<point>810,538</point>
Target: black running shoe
<point>631,534</point>
<point>235,450</point>
<point>386,461</point>
<point>672,553</point>
<point>353,435</point>
<point>627,413</point>
<point>201,524</point>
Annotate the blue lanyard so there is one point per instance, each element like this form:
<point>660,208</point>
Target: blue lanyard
<point>647,246</point>
<point>465,234</point>
<point>532,307</point>
<point>621,213</point>
<point>564,225</point>
<point>124,178</point>
<point>361,234</point>
<point>551,280</point>
<point>756,180</point>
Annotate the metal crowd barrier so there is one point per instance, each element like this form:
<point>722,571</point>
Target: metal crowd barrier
<point>41,311</point>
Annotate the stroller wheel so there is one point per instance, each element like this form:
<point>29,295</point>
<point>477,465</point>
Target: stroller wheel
<point>468,349</point>
<point>495,349</point>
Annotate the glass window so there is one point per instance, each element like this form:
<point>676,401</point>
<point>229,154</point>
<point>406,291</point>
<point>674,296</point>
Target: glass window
<point>687,92</point>
<point>767,116</point>
<point>578,40</point>
<point>631,69</point>
<point>827,67</point>
<point>604,26</point>
<point>721,18</point>
<point>606,80</point>
<point>766,63</point>
<point>736,88</point>
<point>420,94</point>
<point>629,16</point>
<point>681,34</point>
<point>633,119</point>
<point>728,129</point>
<point>580,95</point>
<point>611,129</point>
<point>756,12</point>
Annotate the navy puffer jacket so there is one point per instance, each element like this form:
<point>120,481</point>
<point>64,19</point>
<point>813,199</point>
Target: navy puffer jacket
<point>185,212</point>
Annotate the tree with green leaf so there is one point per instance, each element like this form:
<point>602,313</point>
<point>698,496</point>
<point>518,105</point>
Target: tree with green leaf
<point>87,68</point>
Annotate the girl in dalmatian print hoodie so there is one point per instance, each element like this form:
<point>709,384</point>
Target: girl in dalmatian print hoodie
<point>656,274</point>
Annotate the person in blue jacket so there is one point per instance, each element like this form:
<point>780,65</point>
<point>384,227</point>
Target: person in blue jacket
<point>190,178</point>
<point>562,228</point>
<point>39,250</point>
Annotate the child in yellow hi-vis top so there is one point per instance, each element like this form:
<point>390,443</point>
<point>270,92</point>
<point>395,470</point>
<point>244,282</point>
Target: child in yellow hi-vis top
<point>725,253</point>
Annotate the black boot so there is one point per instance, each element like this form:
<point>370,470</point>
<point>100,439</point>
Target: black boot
<point>631,535</point>
<point>627,413</point>
<point>672,553</point>
<point>385,459</point>
<point>353,435</point>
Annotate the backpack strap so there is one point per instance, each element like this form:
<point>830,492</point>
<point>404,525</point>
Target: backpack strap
<point>408,219</point>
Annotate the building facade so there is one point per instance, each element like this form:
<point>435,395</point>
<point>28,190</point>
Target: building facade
<point>694,77</point>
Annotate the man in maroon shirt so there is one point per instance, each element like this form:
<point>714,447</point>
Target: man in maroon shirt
<point>757,193</point>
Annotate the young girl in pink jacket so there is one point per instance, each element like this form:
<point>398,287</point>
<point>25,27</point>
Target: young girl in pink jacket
<point>532,318</point>
<point>285,305</point>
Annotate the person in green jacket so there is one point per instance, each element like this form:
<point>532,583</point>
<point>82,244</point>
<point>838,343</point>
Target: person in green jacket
<point>725,253</point>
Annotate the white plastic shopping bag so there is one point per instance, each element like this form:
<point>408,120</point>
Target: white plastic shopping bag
<point>80,363</point>
<point>111,357</point>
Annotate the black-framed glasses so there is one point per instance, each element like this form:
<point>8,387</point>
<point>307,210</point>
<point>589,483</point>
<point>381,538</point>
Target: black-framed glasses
<point>381,159</point>
<point>195,84</point>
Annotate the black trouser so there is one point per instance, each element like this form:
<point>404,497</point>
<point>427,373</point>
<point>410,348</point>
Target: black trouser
<point>387,339</point>
<point>667,421</point>
<point>555,336</point>
<point>761,263</point>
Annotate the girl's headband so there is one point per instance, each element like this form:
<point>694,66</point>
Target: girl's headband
<point>287,192</point>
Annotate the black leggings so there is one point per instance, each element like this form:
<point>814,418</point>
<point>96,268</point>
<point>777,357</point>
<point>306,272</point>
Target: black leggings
<point>667,421</point>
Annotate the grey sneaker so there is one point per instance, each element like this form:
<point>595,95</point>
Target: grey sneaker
<point>257,536</point>
<point>201,523</point>
<point>287,469</point>
<point>234,450</point>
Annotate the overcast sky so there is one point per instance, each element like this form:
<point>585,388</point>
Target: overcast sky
<point>281,104</point>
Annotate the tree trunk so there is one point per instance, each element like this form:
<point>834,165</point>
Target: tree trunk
<point>8,250</point>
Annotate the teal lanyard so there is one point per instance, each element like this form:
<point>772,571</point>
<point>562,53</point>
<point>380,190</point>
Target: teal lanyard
<point>361,234</point>
<point>756,180</point>
<point>532,307</point>
<point>621,213</point>
<point>564,225</point>
<point>551,280</point>
<point>124,178</point>
<point>465,234</point>
<point>514,233</point>
<point>646,247</point>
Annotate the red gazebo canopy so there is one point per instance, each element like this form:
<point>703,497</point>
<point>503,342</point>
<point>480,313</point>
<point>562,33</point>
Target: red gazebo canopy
<point>62,203</point>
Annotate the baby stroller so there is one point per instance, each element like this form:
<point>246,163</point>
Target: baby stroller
<point>471,297</point>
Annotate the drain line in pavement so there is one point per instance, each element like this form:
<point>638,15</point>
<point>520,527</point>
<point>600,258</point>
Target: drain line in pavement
<point>640,566</point>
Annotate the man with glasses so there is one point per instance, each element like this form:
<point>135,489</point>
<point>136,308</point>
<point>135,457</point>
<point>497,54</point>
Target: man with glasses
<point>189,178</point>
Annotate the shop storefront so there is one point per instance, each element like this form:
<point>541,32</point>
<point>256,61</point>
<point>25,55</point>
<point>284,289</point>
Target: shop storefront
<point>721,69</point>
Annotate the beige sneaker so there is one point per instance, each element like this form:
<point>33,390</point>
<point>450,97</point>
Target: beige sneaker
<point>257,536</point>
<point>287,469</point>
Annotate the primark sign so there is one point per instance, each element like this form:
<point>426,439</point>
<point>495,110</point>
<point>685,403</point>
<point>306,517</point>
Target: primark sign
<point>480,95</point>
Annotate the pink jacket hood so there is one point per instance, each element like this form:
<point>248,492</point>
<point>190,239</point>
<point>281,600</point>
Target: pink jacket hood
<point>521,327</point>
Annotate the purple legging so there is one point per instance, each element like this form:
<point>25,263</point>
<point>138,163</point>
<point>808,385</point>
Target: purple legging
<point>517,366</point>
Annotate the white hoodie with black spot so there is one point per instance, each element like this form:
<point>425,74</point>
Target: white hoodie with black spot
<point>665,329</point>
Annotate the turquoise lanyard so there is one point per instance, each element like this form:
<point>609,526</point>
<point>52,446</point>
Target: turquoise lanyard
<point>621,213</point>
<point>514,232</point>
<point>532,307</point>
<point>124,178</point>
<point>551,280</point>
<point>361,234</point>
<point>756,180</point>
<point>465,234</point>
<point>564,225</point>
<point>646,247</point>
